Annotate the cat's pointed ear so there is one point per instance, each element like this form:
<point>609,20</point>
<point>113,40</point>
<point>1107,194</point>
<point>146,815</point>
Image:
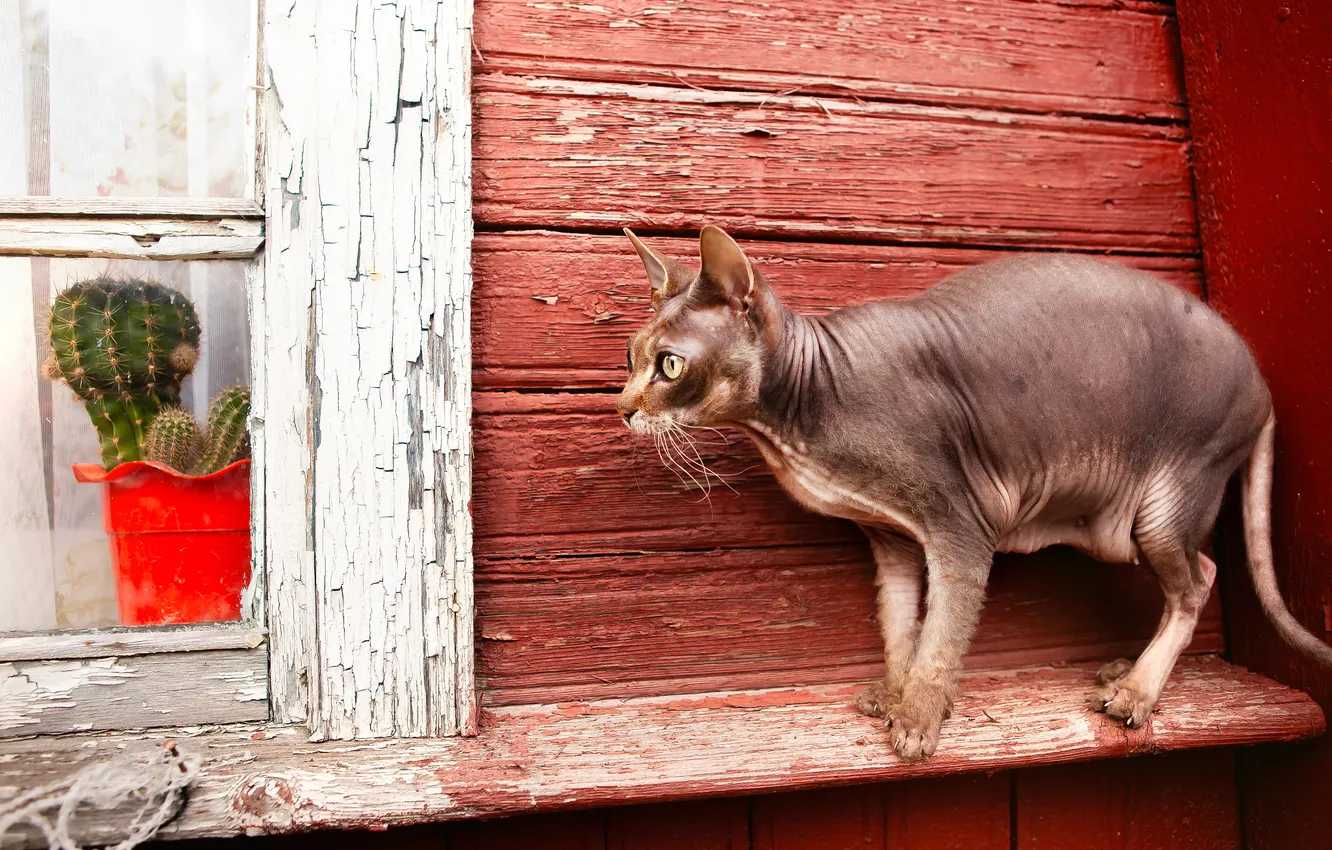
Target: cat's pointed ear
<point>727,271</point>
<point>666,276</point>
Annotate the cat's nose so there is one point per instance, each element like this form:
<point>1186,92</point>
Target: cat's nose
<point>627,410</point>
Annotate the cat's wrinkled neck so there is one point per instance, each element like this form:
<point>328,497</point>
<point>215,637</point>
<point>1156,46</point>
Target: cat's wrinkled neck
<point>797,373</point>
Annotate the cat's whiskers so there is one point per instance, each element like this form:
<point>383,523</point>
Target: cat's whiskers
<point>693,442</point>
<point>668,452</point>
<point>678,433</point>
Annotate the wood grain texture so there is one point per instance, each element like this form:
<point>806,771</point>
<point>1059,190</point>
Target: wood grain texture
<point>1090,58</point>
<point>128,641</point>
<point>131,238</point>
<point>1184,801</point>
<point>603,155</point>
<point>367,444</point>
<point>625,751</point>
<point>124,207</point>
<point>554,309</point>
<point>145,691</point>
<point>689,622</point>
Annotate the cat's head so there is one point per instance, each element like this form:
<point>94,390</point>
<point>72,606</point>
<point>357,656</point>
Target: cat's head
<point>698,361</point>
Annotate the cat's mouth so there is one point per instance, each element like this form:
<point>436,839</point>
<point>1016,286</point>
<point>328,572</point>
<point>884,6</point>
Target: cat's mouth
<point>652,424</point>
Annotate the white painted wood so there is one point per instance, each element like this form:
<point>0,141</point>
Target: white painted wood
<point>541,757</point>
<point>28,598</point>
<point>131,238</point>
<point>364,412</point>
<point>136,692</point>
<point>141,640</point>
<point>219,208</point>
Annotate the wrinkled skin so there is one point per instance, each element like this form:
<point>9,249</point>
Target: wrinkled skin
<point>1029,402</point>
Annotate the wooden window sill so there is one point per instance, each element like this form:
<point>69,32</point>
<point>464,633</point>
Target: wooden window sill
<point>532,758</point>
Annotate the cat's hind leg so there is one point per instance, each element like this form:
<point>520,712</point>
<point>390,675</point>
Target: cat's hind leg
<point>900,577</point>
<point>1186,575</point>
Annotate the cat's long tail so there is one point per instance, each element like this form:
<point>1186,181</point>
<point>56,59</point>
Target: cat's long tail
<point>1258,540</point>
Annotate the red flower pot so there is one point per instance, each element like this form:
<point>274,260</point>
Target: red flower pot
<point>180,544</point>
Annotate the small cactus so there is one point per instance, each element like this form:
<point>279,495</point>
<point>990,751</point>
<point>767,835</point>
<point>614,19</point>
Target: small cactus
<point>227,435</point>
<point>174,439</point>
<point>123,347</point>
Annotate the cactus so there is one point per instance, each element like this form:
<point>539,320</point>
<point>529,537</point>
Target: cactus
<point>174,439</point>
<point>227,436</point>
<point>123,347</point>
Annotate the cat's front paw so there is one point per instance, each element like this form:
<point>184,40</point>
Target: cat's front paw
<point>913,726</point>
<point>1120,697</point>
<point>877,700</point>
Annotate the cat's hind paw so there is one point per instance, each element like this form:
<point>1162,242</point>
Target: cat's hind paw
<point>877,700</point>
<point>1119,697</point>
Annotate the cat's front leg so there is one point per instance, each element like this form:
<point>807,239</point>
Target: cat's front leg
<point>957,568</point>
<point>900,564</point>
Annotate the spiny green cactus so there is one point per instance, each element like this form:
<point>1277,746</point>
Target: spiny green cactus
<point>227,435</point>
<point>174,439</point>
<point>123,346</point>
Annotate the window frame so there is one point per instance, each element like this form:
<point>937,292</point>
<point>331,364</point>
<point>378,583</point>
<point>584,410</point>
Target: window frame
<point>77,680</point>
<point>284,654</point>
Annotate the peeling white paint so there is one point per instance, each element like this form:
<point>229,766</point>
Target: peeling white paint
<point>49,697</point>
<point>29,691</point>
<point>367,362</point>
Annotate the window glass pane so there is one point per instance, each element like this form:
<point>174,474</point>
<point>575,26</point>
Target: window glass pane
<point>59,568</point>
<point>125,97</point>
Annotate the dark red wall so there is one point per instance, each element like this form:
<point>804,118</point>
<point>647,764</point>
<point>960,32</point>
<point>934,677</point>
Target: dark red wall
<point>1259,81</point>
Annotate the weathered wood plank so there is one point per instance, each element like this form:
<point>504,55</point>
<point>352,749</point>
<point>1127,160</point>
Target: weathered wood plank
<point>624,751</point>
<point>688,622</point>
<point>129,641</point>
<point>602,155</point>
<point>369,367</point>
<point>1185,801</point>
<point>554,309</point>
<point>134,692</point>
<point>127,207</point>
<point>1090,58</point>
<point>576,482</point>
<point>132,238</point>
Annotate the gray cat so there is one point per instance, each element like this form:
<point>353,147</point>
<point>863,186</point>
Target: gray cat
<point>1024,403</point>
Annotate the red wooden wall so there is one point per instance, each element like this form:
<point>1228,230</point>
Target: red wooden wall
<point>1260,86</point>
<point>859,149</point>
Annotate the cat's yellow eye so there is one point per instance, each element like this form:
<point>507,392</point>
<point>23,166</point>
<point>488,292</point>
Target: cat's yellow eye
<point>672,365</point>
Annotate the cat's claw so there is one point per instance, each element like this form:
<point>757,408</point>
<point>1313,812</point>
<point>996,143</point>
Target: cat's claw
<point>1121,698</point>
<point>913,738</point>
<point>877,700</point>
